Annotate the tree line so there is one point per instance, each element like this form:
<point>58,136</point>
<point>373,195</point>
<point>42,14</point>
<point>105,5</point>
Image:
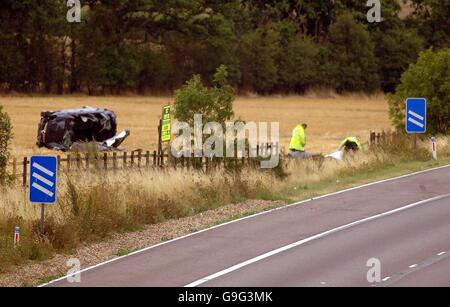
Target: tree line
<point>273,46</point>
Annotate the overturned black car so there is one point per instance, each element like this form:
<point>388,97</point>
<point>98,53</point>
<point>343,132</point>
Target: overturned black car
<point>72,129</point>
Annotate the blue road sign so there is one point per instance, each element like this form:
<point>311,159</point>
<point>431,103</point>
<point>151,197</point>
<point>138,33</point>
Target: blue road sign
<point>416,115</point>
<point>43,175</point>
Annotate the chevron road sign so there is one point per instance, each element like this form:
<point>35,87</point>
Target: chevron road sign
<point>43,179</point>
<point>416,115</point>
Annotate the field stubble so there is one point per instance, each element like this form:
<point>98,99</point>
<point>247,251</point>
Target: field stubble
<point>330,118</point>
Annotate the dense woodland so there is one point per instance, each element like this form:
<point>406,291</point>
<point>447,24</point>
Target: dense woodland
<point>151,46</point>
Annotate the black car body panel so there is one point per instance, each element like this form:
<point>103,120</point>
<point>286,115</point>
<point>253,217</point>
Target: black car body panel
<point>87,124</point>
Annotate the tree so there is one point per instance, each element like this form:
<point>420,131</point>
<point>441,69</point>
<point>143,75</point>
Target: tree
<point>5,138</point>
<point>299,64</point>
<point>352,64</point>
<point>395,49</point>
<point>428,78</point>
<point>29,33</point>
<point>214,104</point>
<point>431,19</point>
<point>260,50</point>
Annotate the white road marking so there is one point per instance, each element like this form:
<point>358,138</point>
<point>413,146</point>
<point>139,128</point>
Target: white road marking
<point>413,266</point>
<point>44,180</point>
<point>386,278</point>
<point>249,217</point>
<point>441,254</point>
<point>304,241</point>
<point>42,189</point>
<point>43,169</point>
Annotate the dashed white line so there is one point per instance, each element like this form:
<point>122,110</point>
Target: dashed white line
<point>413,266</point>
<point>386,278</point>
<point>441,254</point>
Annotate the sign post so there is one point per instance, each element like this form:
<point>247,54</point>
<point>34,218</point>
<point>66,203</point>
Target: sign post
<point>434,148</point>
<point>43,183</point>
<point>16,236</point>
<point>416,117</point>
<point>164,133</point>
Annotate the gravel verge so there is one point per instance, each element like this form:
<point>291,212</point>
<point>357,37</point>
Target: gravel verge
<point>122,243</point>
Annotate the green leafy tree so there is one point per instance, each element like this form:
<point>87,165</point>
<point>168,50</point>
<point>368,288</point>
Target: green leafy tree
<point>5,138</point>
<point>352,64</point>
<point>432,19</point>
<point>214,104</point>
<point>428,78</point>
<point>259,54</point>
<point>299,64</point>
<point>395,49</point>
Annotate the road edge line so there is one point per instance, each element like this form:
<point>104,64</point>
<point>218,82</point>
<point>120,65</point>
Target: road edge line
<point>309,239</point>
<point>245,218</point>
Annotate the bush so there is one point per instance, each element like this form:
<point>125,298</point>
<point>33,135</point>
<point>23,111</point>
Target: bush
<point>428,78</point>
<point>215,104</point>
<point>5,138</point>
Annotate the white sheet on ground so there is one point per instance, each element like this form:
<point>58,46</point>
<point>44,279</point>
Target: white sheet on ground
<point>338,155</point>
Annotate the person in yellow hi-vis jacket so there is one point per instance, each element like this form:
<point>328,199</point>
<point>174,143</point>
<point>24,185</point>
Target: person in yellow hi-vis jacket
<point>298,142</point>
<point>351,143</point>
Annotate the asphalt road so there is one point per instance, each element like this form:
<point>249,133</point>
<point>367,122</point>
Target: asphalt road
<point>404,223</point>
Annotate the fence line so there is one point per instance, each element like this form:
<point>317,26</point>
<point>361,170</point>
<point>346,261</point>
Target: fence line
<point>113,161</point>
<point>377,137</point>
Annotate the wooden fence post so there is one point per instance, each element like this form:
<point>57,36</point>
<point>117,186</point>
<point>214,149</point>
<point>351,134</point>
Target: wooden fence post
<point>87,157</point>
<point>14,170</point>
<point>208,164</point>
<point>372,138</point>
<point>78,161</point>
<point>105,161</point>
<point>189,162</point>
<point>24,174</point>
<point>154,158</point>
<point>124,160</point>
<point>132,159</point>
<point>115,161</point>
<point>147,159</point>
<point>58,159</point>
<point>68,163</point>
<point>139,158</point>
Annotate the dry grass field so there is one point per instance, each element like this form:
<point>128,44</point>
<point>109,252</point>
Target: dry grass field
<point>330,119</point>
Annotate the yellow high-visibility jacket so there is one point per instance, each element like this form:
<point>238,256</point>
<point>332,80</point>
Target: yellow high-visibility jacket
<point>353,140</point>
<point>298,141</point>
